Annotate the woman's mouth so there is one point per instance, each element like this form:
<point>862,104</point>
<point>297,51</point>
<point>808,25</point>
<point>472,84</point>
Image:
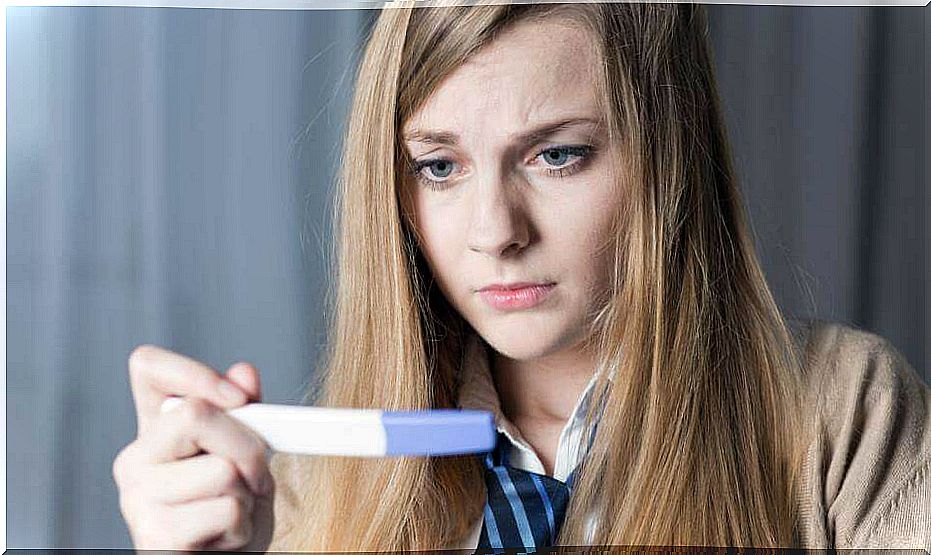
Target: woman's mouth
<point>515,297</point>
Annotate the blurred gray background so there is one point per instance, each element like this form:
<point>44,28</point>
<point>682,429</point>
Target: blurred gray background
<point>169,179</point>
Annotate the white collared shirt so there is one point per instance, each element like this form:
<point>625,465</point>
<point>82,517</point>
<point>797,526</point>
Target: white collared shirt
<point>477,391</point>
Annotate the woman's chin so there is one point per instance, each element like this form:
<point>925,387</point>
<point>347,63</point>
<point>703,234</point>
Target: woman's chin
<point>520,344</point>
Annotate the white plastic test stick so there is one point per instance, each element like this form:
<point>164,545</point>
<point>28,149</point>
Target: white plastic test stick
<point>365,432</point>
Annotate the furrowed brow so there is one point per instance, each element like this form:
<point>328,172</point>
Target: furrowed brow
<point>528,137</point>
<point>432,137</point>
<point>542,132</point>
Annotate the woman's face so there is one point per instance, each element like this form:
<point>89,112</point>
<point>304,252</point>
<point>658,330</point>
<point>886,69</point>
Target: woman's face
<point>512,184</point>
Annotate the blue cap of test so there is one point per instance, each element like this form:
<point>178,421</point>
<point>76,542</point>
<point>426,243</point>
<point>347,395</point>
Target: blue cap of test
<point>438,432</point>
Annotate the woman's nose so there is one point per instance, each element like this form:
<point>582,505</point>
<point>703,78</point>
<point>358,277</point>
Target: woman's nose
<point>499,224</point>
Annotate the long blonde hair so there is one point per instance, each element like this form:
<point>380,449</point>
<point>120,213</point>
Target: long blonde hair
<point>697,441</point>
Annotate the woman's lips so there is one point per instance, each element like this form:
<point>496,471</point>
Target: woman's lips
<point>516,298</point>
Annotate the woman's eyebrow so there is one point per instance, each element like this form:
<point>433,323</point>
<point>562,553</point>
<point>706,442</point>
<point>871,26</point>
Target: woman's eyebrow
<point>527,137</point>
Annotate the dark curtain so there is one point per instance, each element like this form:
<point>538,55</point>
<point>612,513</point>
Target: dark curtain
<point>828,116</point>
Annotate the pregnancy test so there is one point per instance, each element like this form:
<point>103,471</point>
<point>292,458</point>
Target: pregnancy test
<point>365,432</point>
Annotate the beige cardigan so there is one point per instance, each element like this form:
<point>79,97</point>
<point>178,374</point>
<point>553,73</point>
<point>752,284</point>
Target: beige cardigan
<point>866,479</point>
<point>867,474</point>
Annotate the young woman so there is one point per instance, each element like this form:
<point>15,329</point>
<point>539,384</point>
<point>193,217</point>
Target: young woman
<point>537,216</point>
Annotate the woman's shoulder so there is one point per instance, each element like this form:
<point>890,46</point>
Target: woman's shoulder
<point>849,369</point>
<point>841,360</point>
<point>868,467</point>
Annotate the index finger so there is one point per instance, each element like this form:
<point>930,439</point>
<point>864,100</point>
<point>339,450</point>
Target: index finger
<point>156,374</point>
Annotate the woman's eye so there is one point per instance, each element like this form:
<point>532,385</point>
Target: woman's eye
<point>556,157</point>
<point>434,170</point>
<point>440,168</point>
<point>560,160</point>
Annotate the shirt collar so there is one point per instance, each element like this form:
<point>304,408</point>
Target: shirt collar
<point>477,391</point>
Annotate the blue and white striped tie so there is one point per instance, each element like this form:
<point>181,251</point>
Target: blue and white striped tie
<point>522,509</point>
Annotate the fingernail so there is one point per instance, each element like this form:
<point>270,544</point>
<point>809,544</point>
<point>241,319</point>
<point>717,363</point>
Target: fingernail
<point>231,392</point>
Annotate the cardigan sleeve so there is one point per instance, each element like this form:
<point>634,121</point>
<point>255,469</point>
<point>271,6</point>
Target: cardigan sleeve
<point>868,467</point>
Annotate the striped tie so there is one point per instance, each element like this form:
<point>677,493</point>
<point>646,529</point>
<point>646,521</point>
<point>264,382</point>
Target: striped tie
<point>522,509</point>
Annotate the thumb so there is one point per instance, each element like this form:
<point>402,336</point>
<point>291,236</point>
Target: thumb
<point>246,377</point>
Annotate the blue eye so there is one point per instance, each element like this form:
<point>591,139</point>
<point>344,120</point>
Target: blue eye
<point>559,161</point>
<point>556,157</point>
<point>563,161</point>
<point>559,156</point>
<point>440,168</point>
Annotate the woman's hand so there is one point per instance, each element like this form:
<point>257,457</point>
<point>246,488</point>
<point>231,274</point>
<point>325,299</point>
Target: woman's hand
<point>194,478</point>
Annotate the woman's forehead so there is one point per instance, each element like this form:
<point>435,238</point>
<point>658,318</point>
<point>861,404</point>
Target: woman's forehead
<point>537,71</point>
